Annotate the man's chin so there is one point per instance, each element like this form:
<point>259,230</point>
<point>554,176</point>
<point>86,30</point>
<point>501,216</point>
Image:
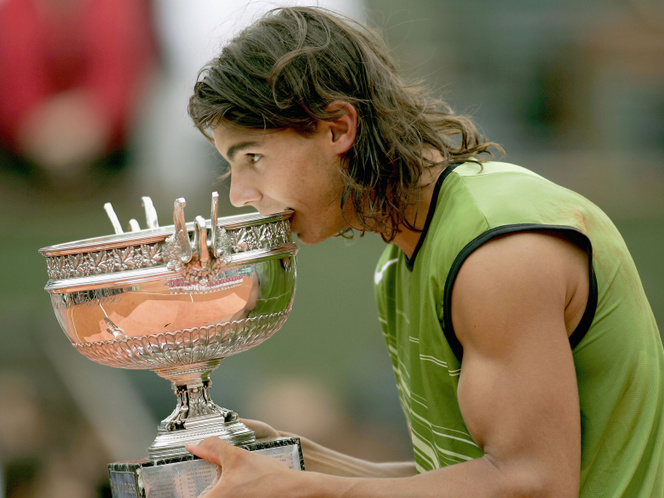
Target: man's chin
<point>307,239</point>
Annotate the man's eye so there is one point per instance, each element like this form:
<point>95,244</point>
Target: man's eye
<point>254,158</point>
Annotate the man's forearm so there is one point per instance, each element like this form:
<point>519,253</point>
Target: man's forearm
<point>479,477</point>
<point>318,458</point>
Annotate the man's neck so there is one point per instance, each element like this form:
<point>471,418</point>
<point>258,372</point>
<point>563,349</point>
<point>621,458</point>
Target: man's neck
<point>407,239</point>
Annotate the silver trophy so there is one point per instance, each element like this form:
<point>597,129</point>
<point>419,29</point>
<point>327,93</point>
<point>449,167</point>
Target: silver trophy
<point>177,300</point>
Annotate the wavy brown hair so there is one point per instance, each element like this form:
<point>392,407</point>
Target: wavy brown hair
<point>283,72</point>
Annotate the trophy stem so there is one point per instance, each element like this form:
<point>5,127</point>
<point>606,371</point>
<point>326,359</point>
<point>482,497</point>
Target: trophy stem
<point>196,416</point>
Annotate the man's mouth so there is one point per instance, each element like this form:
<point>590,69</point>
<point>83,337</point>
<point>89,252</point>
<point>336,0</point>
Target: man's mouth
<point>288,212</point>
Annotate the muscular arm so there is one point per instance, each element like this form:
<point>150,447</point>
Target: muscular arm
<point>514,304</point>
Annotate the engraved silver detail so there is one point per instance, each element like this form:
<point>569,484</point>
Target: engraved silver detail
<point>102,262</point>
<point>169,253</point>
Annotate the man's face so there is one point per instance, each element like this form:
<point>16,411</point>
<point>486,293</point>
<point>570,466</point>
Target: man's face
<point>277,170</point>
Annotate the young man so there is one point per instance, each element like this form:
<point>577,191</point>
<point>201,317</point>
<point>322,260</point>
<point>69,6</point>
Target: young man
<point>527,358</point>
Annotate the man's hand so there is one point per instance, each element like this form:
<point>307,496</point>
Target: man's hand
<point>245,473</point>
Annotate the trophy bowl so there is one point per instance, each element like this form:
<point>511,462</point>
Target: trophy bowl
<point>177,300</point>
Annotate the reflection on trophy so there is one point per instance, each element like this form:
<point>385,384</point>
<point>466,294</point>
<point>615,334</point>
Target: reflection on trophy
<point>177,300</point>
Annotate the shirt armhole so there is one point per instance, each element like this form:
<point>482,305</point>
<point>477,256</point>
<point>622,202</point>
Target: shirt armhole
<point>571,233</point>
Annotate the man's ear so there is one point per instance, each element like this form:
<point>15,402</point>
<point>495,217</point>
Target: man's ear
<point>343,129</point>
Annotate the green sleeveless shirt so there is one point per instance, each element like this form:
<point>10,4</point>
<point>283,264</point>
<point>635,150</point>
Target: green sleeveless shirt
<point>617,348</point>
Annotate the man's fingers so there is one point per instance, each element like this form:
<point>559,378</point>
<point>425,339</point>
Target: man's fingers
<point>211,449</point>
<point>261,429</point>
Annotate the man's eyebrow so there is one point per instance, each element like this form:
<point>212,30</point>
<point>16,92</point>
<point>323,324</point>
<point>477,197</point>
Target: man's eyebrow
<point>234,149</point>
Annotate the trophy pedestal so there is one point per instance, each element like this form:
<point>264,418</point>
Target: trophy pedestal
<point>188,476</point>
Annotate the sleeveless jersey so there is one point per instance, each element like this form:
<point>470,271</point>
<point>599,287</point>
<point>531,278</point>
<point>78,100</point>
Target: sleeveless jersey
<point>617,348</point>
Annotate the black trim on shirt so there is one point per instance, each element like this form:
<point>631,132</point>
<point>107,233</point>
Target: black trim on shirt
<point>410,262</point>
<point>573,234</point>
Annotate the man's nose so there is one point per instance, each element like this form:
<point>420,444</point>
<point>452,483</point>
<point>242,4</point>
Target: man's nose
<point>242,193</point>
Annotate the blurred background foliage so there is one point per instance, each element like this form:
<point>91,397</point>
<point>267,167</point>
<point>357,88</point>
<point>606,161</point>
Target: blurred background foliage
<point>573,89</point>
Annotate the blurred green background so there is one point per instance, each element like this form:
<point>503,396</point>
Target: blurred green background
<point>572,89</point>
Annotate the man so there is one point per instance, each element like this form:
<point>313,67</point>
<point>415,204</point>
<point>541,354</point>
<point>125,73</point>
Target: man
<point>526,355</point>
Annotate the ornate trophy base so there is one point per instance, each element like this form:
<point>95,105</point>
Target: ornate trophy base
<point>189,476</point>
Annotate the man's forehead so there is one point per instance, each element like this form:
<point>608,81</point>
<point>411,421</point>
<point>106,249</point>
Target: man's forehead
<point>230,138</point>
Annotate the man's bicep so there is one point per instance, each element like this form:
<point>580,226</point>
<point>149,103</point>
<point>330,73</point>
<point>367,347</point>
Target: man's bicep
<point>517,389</point>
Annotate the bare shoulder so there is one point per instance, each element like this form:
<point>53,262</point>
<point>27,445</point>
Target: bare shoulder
<point>529,273</point>
<point>542,248</point>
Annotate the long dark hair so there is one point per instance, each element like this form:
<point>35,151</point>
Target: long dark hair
<point>283,72</point>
